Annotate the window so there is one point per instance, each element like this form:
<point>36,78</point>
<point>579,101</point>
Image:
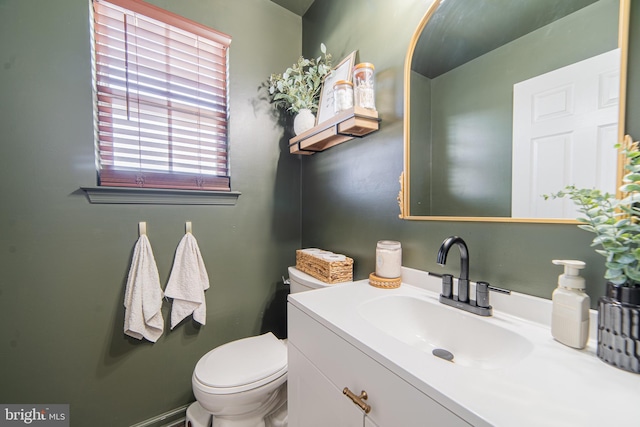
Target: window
<point>161,110</point>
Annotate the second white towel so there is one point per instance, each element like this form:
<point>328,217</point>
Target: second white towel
<point>187,283</point>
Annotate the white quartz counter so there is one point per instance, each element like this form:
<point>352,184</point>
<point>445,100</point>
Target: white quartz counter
<point>553,385</point>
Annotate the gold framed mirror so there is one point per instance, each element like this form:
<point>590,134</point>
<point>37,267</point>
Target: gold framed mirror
<point>476,75</point>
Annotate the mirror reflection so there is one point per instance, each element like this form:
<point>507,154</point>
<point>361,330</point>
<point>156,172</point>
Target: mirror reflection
<point>510,100</point>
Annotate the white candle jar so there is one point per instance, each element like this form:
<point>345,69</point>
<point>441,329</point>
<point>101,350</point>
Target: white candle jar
<point>388,259</point>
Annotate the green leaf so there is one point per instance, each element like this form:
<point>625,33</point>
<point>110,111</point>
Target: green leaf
<point>613,273</point>
<point>602,252</point>
<point>625,258</point>
<point>632,177</point>
<point>587,228</point>
<point>620,280</point>
<point>623,222</point>
<point>598,240</point>
<point>616,250</point>
<point>629,188</point>
<point>633,274</point>
<point>594,212</point>
<point>613,265</point>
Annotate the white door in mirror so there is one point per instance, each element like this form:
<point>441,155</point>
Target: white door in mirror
<point>565,126</point>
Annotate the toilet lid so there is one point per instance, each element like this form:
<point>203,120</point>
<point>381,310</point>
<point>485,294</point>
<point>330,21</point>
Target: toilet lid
<point>242,362</point>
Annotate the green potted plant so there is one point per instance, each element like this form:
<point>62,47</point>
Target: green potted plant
<point>297,90</point>
<point>615,220</point>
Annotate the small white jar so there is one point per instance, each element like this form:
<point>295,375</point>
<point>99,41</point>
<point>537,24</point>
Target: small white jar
<point>388,259</point>
<point>342,96</point>
<point>363,82</point>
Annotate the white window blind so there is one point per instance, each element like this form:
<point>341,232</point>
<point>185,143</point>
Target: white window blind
<point>161,111</point>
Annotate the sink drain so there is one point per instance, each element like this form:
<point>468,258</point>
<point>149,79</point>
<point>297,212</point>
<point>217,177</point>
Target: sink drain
<point>443,354</point>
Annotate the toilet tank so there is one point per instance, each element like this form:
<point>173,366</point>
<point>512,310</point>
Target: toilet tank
<point>301,281</point>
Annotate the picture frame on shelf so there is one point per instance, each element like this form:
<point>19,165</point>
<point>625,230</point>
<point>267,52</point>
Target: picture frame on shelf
<point>342,71</point>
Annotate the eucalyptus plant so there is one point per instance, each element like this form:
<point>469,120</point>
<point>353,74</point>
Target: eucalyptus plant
<point>299,86</point>
<point>614,220</point>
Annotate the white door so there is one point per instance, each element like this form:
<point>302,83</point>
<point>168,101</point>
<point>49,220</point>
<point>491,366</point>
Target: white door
<point>565,126</point>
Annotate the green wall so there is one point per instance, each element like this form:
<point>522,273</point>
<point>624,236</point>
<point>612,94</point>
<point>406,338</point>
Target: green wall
<point>349,192</point>
<point>64,261</point>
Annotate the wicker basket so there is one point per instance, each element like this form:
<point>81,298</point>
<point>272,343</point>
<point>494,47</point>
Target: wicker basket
<point>326,271</point>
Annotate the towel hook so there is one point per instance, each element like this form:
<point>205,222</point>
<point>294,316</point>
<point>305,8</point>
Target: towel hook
<point>187,226</point>
<point>142,228</point>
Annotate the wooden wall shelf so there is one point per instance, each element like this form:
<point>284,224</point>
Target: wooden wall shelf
<point>353,123</point>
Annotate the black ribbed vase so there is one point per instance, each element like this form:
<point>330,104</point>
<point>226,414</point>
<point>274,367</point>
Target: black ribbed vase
<point>619,327</point>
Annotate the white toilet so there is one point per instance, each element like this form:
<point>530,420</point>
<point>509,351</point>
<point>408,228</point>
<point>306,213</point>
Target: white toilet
<point>243,383</point>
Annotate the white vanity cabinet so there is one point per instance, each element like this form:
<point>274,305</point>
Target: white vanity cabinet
<point>321,364</point>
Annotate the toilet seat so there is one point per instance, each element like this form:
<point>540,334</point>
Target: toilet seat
<point>242,365</point>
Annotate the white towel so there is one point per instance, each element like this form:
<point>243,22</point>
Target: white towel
<point>143,295</point>
<point>187,283</point>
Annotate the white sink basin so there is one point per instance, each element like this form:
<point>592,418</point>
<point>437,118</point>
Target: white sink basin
<point>427,325</point>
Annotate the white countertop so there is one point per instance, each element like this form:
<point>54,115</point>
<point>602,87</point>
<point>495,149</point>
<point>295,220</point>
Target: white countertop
<point>553,385</point>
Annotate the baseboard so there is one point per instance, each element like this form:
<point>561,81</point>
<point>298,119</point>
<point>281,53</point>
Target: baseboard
<point>172,418</point>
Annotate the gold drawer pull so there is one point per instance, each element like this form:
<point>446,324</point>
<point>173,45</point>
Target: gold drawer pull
<point>358,400</point>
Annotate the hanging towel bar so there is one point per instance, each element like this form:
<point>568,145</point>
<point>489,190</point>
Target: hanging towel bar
<point>142,228</point>
<point>187,226</point>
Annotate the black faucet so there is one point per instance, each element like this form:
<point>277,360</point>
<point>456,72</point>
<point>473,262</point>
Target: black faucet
<point>481,304</point>
<point>463,280</point>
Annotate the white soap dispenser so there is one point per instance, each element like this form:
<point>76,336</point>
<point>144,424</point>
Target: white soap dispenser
<point>570,314</point>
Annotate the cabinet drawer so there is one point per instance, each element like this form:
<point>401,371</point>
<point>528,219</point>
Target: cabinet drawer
<point>393,401</point>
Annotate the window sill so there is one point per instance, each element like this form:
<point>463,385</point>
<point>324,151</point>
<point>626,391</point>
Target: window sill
<point>156,196</point>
